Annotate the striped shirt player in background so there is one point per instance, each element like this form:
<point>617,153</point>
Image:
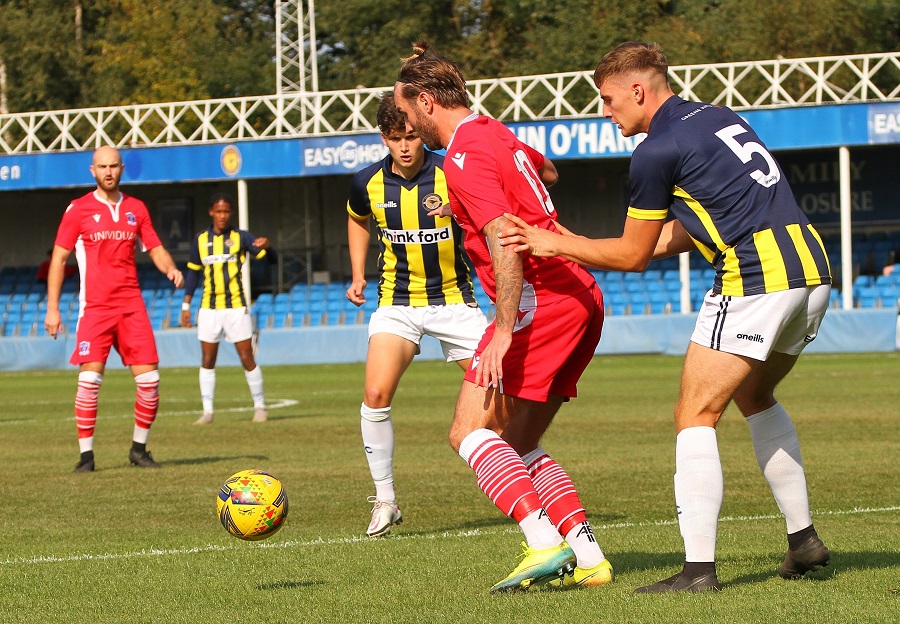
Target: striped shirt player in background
<point>547,327</point>
<point>218,254</point>
<point>424,286</point>
<point>730,200</point>
<point>103,228</point>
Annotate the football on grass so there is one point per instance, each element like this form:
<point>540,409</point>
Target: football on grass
<point>252,505</point>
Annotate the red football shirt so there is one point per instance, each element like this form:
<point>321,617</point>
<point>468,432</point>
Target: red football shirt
<point>489,172</point>
<point>104,237</point>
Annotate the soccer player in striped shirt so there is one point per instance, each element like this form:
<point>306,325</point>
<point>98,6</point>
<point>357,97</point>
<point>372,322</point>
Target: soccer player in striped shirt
<point>729,198</point>
<point>216,258</point>
<point>424,286</point>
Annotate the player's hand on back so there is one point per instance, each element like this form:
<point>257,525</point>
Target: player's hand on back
<point>535,240</point>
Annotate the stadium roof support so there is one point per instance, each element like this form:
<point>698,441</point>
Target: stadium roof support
<point>299,110</point>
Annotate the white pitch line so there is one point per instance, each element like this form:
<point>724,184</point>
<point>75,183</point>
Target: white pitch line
<point>273,405</point>
<point>153,552</point>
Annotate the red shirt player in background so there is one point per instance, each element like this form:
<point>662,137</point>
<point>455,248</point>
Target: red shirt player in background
<point>104,227</point>
<point>548,323</point>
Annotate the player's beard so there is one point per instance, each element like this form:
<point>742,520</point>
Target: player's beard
<point>428,131</point>
<point>108,185</point>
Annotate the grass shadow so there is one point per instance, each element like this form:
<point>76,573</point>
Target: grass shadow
<point>194,461</point>
<point>840,562</point>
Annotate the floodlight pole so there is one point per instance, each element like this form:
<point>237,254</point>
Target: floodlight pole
<point>295,47</point>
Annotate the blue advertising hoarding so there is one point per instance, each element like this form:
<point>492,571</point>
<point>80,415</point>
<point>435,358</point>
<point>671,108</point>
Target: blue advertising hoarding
<point>813,127</point>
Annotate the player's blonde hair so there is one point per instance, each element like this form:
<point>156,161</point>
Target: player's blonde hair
<point>632,56</point>
<point>434,74</point>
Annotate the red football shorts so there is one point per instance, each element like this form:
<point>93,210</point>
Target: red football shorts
<point>551,346</point>
<point>129,331</point>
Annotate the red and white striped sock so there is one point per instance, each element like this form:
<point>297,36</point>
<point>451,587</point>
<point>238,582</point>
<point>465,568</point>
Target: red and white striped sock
<point>560,499</point>
<point>146,403</point>
<point>502,476</point>
<point>86,403</point>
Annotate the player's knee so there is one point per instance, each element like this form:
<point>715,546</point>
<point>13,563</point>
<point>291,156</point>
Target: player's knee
<point>377,397</point>
<point>374,414</point>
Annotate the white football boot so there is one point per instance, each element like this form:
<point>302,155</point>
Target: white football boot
<point>384,515</point>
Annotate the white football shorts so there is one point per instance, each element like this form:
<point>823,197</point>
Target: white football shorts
<point>754,326</point>
<point>457,326</point>
<point>233,323</point>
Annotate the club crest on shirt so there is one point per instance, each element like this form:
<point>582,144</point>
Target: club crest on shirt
<point>130,218</point>
<point>228,243</point>
<point>84,347</point>
<point>432,201</point>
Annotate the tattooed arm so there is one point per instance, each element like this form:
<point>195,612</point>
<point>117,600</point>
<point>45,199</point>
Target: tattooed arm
<point>507,266</point>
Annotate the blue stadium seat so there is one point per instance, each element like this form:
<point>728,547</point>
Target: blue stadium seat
<point>659,302</point>
<point>281,317</point>
<point>10,329</point>
<point>652,275</point>
<point>639,303</point>
<point>671,275</point>
<point>315,317</point>
<point>863,281</point>
<point>264,299</point>
<point>634,287</point>
<point>890,296</point>
<point>265,319</point>
<point>317,291</point>
<point>617,303</point>
<point>673,286</point>
<point>158,318</point>
<point>335,311</point>
<point>869,297</point>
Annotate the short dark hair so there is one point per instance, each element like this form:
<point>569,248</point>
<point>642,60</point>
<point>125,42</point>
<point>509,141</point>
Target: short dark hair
<point>389,117</point>
<point>217,197</point>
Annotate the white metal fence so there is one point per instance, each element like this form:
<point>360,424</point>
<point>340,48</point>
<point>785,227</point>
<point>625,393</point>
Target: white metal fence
<point>745,85</point>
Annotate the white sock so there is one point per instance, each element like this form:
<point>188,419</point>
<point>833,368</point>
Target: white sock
<point>141,435</point>
<point>539,531</point>
<point>698,491</point>
<point>207,388</point>
<point>378,442</point>
<point>582,541</point>
<point>255,381</point>
<point>778,453</point>
<point>86,444</point>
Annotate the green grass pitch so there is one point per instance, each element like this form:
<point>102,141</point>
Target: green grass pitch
<point>135,546</point>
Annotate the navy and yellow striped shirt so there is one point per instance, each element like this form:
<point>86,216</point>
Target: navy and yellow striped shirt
<point>706,165</point>
<point>220,258</point>
<point>421,261</point>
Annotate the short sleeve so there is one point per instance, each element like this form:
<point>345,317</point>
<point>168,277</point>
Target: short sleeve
<point>69,229</point>
<point>652,175</point>
<point>478,185</point>
<point>358,204</point>
<point>148,236</point>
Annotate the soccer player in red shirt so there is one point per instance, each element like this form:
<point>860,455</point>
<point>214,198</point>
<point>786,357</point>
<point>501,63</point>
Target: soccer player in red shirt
<point>104,227</point>
<point>547,326</point>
